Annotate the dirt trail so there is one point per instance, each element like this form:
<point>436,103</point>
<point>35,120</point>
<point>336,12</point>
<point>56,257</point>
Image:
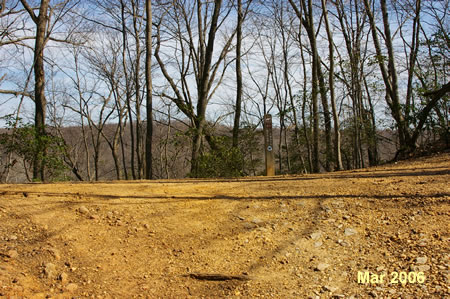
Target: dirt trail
<point>292,237</point>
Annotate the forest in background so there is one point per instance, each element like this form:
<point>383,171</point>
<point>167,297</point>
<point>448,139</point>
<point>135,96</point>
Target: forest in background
<point>133,89</point>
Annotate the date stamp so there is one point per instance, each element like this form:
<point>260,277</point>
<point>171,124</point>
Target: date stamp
<point>365,277</point>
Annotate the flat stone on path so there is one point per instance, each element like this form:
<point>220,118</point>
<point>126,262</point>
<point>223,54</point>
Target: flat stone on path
<point>12,254</point>
<point>349,232</point>
<point>50,270</point>
<point>421,268</point>
<point>322,266</point>
<point>83,210</point>
<point>71,287</point>
<point>316,235</point>
<point>421,260</point>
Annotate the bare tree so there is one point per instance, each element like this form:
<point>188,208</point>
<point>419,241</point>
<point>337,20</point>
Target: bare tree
<point>44,21</point>
<point>41,21</point>
<point>148,86</point>
<point>194,27</point>
<point>237,113</point>
<point>306,16</point>
<point>241,15</point>
<point>337,135</point>
<point>407,136</point>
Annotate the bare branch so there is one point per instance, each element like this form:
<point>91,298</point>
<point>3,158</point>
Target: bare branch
<point>16,93</point>
<point>29,10</point>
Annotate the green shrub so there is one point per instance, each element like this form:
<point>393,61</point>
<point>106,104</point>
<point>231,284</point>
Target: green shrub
<point>24,141</point>
<point>225,161</point>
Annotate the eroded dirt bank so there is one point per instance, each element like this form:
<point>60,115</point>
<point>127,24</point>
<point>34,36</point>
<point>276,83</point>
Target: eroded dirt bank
<point>281,237</point>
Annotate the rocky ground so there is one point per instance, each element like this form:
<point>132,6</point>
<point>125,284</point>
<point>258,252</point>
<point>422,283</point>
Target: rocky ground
<point>279,237</point>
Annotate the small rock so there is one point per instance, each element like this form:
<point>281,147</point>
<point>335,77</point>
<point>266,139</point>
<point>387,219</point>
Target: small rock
<point>13,254</point>
<point>318,244</point>
<point>63,277</point>
<point>71,287</point>
<point>321,267</point>
<point>94,217</point>
<point>420,268</point>
<point>421,260</point>
<point>50,270</point>
<point>12,237</point>
<point>83,210</point>
<point>380,268</point>
<point>55,252</point>
<point>342,243</point>
<point>262,229</point>
<point>349,232</point>
<point>423,268</point>
<point>257,221</point>
<point>316,235</point>
<point>329,289</point>
<point>146,226</point>
<point>392,291</point>
<point>248,225</point>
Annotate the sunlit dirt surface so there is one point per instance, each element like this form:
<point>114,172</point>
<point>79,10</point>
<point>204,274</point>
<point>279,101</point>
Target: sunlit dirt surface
<point>279,237</point>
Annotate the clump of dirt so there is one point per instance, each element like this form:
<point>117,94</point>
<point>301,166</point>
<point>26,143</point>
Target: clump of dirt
<point>380,232</point>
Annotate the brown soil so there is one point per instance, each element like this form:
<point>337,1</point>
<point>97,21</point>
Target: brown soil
<point>281,237</point>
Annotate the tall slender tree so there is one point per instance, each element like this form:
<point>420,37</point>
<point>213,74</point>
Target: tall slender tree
<point>337,135</point>
<point>148,87</point>
<point>306,16</point>
<point>237,112</point>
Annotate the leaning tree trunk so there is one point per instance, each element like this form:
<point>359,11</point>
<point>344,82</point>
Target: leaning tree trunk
<point>390,77</point>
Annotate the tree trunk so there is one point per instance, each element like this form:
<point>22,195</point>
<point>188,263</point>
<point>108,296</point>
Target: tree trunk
<point>128,87</point>
<point>306,128</point>
<point>326,114</point>
<point>40,101</point>
<point>137,87</point>
<point>237,114</point>
<point>337,136</point>
<point>373,142</point>
<point>149,98</point>
<point>390,76</point>
<point>307,19</point>
<point>203,83</point>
